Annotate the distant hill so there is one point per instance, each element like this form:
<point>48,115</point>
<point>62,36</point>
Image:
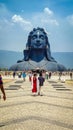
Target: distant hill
<point>8,58</point>
<point>65,58</point>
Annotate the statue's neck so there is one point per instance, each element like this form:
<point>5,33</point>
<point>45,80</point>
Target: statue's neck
<point>37,54</point>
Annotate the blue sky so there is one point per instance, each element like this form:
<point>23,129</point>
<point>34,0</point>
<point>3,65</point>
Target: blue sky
<point>19,17</point>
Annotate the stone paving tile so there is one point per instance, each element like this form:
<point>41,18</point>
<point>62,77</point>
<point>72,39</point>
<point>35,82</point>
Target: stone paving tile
<point>23,111</point>
<point>66,89</point>
<point>19,81</point>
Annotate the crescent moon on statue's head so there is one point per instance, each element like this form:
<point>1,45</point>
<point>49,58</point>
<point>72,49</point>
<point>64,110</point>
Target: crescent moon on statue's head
<point>38,33</point>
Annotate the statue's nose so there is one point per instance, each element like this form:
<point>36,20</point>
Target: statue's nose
<point>38,41</point>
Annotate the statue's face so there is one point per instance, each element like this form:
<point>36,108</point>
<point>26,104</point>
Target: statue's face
<point>38,40</point>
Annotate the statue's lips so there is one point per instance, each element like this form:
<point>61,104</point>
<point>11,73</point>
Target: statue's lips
<point>38,44</point>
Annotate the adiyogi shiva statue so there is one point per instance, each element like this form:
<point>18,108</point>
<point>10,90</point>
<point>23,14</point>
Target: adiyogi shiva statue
<point>37,54</point>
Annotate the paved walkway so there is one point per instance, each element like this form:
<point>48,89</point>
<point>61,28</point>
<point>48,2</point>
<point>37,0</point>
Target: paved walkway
<point>22,111</point>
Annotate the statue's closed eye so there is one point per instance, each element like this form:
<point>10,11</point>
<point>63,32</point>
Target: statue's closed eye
<point>41,36</point>
<point>34,37</point>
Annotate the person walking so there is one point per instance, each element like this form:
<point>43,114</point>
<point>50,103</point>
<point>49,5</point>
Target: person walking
<point>41,82</point>
<point>34,82</point>
<point>24,75</point>
<point>14,73</point>
<point>49,75</point>
<point>71,75</point>
<point>2,88</point>
<point>30,76</point>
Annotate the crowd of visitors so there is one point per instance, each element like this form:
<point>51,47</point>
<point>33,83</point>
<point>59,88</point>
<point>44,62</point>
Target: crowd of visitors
<point>36,79</point>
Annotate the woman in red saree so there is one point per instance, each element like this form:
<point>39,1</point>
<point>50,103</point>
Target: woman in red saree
<point>34,83</point>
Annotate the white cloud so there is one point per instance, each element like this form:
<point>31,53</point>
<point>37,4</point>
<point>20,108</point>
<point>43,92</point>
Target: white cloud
<point>50,21</point>
<point>54,22</point>
<point>44,19</point>
<point>14,29</point>
<point>26,25</point>
<point>48,11</point>
<point>70,19</point>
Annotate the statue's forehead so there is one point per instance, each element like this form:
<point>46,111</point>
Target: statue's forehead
<point>38,32</point>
